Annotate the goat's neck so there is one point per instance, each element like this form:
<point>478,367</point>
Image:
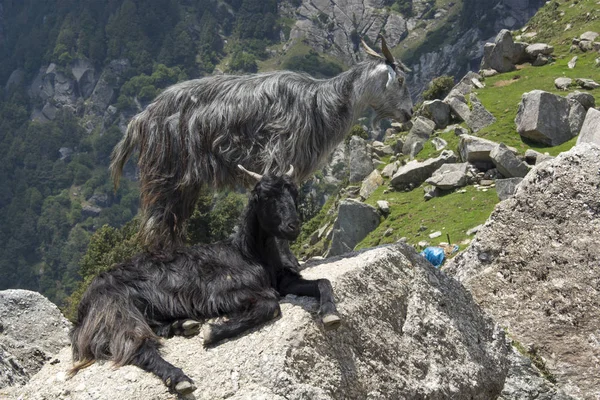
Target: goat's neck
<point>251,239</point>
<point>354,87</point>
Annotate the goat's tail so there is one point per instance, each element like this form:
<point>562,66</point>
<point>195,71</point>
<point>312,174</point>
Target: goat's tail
<point>111,329</point>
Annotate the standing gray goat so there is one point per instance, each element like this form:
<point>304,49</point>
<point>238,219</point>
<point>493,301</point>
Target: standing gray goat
<point>196,132</point>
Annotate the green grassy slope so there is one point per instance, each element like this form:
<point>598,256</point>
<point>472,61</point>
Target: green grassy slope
<point>455,213</point>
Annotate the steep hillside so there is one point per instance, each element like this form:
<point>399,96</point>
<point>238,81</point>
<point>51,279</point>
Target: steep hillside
<point>413,217</point>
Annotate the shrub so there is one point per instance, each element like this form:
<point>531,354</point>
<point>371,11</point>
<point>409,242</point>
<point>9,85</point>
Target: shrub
<point>439,88</point>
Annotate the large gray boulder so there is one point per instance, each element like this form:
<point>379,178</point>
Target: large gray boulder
<point>359,159</point>
<point>370,184</point>
<point>437,111</point>
<point>543,117</point>
<point>409,332</point>
<point>85,77</point>
<point>507,162</point>
<point>450,176</point>
<point>585,99</point>
<point>419,134</point>
<point>354,222</point>
<point>105,91</point>
<point>590,130</point>
<point>479,117</point>
<point>500,55</point>
<point>477,150</point>
<point>458,107</point>
<point>32,330</point>
<point>534,267</point>
<point>537,49</point>
<point>416,172</point>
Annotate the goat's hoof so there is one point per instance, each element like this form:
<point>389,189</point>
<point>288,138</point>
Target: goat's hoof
<point>331,322</point>
<point>185,387</point>
<point>207,335</point>
<point>190,324</point>
<point>190,327</point>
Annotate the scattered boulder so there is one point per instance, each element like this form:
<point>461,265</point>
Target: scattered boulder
<point>382,150</point>
<point>418,135</point>
<point>430,192</point>
<point>540,60</point>
<point>49,111</point>
<point>32,330</point>
<point>105,90</point>
<point>466,85</point>
<point>354,222</point>
<point>503,54</point>
<point>541,247</point>
<point>450,176</point>
<point>437,111</point>
<point>383,206</point>
<point>590,131</point>
<point>507,162</point>
<point>85,76</point>
<point>479,117</point>
<point>439,143</point>
<point>488,73</point>
<point>415,172</point>
<point>390,169</point>
<point>459,107</point>
<point>90,211</point>
<point>506,188</point>
<point>370,184</point>
<point>476,150</point>
<point>544,118</point>
<point>536,49</point>
<point>65,153</point>
<point>360,162</point>
<point>572,63</point>
<point>563,83</point>
<point>588,84</point>
<point>588,36</point>
<point>585,99</point>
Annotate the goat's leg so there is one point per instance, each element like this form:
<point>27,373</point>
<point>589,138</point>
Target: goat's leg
<point>261,309</point>
<point>321,289</point>
<point>149,359</point>
<point>180,327</point>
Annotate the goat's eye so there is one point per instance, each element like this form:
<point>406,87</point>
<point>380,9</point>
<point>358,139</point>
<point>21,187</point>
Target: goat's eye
<point>401,80</point>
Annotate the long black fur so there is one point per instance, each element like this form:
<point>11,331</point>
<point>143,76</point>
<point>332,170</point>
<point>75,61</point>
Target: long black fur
<point>126,309</point>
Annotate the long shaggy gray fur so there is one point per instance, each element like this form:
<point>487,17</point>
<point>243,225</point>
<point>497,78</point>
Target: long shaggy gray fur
<point>196,132</point>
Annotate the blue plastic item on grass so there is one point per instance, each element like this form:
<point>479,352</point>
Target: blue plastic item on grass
<point>434,255</point>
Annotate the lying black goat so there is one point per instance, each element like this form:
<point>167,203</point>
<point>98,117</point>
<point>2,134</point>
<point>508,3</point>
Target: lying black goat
<point>126,309</point>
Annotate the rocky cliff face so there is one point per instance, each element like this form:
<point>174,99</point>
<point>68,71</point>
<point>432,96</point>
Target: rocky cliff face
<point>463,53</point>
<point>534,267</point>
<point>408,331</point>
<point>336,27</point>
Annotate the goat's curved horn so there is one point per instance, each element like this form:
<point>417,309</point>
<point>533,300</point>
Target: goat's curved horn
<point>369,50</point>
<point>256,176</point>
<point>385,50</point>
<point>290,171</point>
